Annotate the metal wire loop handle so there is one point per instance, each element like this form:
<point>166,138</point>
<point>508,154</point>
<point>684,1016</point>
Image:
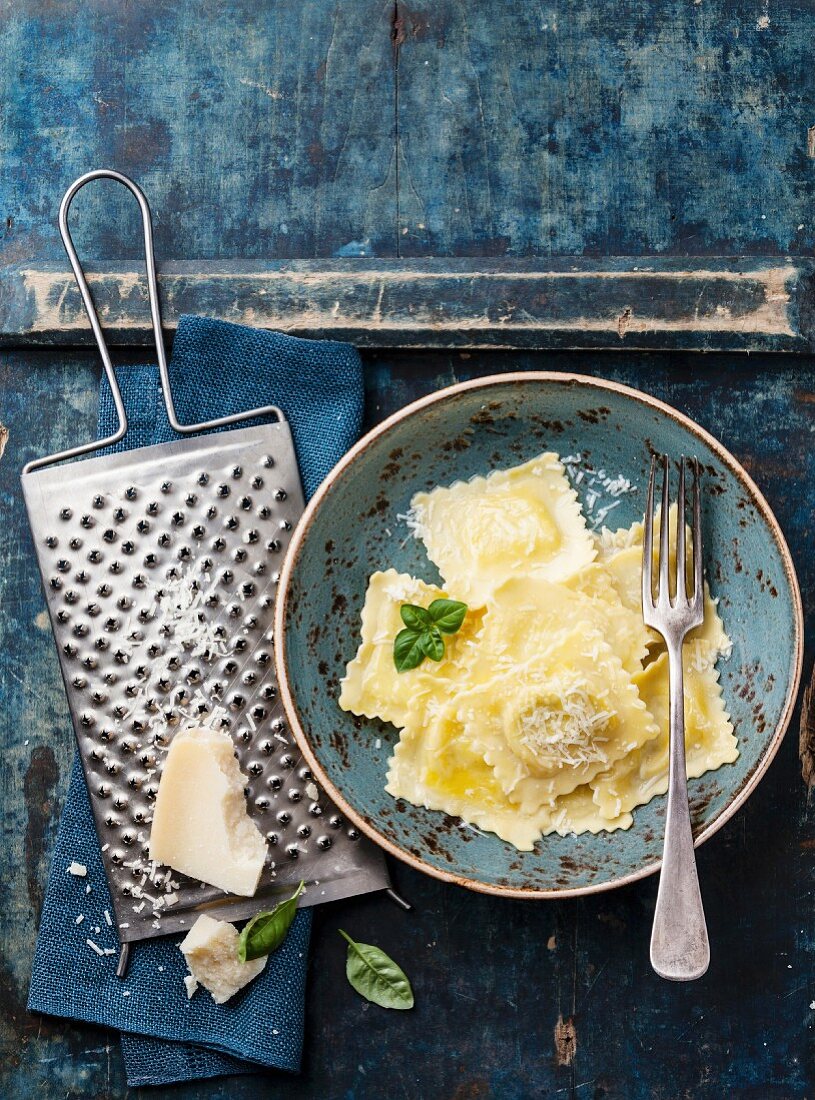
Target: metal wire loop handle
<point>155,317</point>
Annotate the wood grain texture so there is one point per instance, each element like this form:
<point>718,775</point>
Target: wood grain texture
<point>712,304</point>
<point>257,130</point>
<point>604,128</point>
<point>504,990</point>
<point>650,130</point>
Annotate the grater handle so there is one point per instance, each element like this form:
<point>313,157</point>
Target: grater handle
<point>155,316</point>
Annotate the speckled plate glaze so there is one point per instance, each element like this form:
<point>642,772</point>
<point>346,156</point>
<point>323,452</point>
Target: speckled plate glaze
<point>352,527</point>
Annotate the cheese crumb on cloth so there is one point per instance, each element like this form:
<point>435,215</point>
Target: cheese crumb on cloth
<point>548,712</point>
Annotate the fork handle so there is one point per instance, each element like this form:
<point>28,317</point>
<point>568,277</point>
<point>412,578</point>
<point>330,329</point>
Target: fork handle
<point>680,950</point>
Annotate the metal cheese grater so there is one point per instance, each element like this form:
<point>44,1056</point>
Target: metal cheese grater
<point>160,567</point>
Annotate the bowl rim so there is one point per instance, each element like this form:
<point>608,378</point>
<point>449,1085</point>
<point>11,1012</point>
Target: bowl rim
<point>363,444</point>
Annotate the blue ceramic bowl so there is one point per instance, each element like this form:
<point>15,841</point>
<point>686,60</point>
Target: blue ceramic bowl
<point>352,527</point>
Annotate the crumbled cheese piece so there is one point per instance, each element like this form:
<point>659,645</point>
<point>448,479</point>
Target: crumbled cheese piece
<point>312,791</point>
<point>94,947</point>
<point>211,951</point>
<point>191,985</point>
<point>78,869</point>
<point>80,918</point>
<point>108,920</point>
<point>88,888</point>
<point>200,825</point>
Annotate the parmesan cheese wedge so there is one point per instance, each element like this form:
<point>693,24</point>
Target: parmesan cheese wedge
<point>211,950</point>
<point>200,823</point>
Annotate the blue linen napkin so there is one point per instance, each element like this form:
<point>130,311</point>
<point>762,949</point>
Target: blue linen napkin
<point>216,369</point>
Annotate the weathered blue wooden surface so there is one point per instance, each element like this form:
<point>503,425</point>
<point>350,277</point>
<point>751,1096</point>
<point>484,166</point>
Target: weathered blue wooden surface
<point>378,128</point>
<point>383,130</point>
<point>493,978</point>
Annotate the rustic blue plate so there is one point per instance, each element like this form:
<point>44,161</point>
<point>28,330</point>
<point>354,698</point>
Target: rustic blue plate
<point>353,527</point>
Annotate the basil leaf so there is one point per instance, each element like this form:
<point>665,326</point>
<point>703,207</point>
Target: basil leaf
<point>432,644</point>
<point>375,976</point>
<point>407,649</point>
<point>448,615</point>
<point>265,932</point>
<point>415,617</point>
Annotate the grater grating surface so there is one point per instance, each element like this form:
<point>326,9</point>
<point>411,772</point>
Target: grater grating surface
<point>160,568</point>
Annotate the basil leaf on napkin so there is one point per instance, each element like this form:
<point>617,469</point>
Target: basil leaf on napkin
<point>375,976</point>
<point>266,931</point>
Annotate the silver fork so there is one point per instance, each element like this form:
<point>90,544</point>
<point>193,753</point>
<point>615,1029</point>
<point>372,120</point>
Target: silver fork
<point>679,944</point>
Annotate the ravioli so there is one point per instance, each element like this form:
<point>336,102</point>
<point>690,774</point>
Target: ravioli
<point>524,520</point>
<point>435,765</point>
<point>548,712</point>
<point>371,687</point>
<point>620,552</point>
<point>709,738</point>
<point>549,725</point>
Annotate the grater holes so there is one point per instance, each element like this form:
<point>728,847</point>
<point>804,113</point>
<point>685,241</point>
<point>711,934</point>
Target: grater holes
<point>263,512</point>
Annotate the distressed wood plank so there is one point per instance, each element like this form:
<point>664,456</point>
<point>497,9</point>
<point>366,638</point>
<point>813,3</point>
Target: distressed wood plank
<point>257,130</point>
<point>594,127</point>
<point>752,304</point>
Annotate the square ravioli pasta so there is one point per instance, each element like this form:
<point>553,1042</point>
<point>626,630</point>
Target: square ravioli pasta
<point>371,687</point>
<point>436,765</point>
<point>481,532</point>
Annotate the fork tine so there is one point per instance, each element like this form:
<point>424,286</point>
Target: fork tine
<point>664,593</point>
<point>648,541</point>
<point>681,560</point>
<point>698,591</point>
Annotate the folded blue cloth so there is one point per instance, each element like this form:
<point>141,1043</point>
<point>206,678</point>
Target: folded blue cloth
<point>216,369</point>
